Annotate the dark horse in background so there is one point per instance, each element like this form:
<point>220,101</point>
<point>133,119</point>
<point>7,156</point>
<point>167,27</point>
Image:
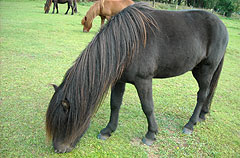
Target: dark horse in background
<point>71,3</point>
<point>135,46</point>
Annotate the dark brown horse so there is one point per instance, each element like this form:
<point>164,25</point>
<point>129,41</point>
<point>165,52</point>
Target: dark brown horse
<point>105,9</point>
<point>137,45</point>
<point>71,3</point>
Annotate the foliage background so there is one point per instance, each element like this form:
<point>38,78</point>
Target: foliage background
<point>224,7</point>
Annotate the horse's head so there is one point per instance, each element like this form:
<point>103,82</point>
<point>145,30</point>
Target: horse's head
<point>47,6</point>
<point>87,25</point>
<point>60,122</point>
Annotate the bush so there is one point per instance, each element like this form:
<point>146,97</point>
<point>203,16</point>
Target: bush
<point>224,7</point>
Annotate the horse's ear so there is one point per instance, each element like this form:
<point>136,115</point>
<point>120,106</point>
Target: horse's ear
<point>66,105</point>
<point>54,86</point>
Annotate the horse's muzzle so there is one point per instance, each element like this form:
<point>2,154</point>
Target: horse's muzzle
<point>62,148</point>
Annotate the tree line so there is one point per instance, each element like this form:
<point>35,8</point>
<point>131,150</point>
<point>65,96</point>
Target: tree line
<point>224,7</point>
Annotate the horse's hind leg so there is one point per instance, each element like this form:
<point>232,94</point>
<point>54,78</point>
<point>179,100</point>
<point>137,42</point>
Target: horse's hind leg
<point>68,8</point>
<point>116,101</point>
<point>72,9</point>
<point>213,85</point>
<point>75,6</point>
<point>144,89</point>
<point>204,74</point>
<point>71,4</point>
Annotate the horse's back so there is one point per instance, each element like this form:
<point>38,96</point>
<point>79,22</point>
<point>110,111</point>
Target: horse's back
<point>112,7</point>
<point>191,23</point>
<point>191,31</point>
<point>184,39</point>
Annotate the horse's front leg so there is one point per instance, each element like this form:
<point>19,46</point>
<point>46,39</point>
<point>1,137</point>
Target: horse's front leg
<point>54,5</point>
<point>144,89</point>
<point>116,101</point>
<point>102,20</point>
<point>108,17</point>
<point>57,7</point>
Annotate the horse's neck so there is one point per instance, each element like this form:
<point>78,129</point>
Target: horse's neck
<point>93,11</point>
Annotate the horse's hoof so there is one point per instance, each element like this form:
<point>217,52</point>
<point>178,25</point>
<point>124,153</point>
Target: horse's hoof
<point>187,131</point>
<point>201,119</point>
<point>103,137</point>
<point>147,141</point>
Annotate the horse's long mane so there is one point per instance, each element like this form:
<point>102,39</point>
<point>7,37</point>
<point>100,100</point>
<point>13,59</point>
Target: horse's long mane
<point>100,65</point>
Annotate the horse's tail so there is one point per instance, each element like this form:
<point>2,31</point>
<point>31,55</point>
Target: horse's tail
<point>75,6</point>
<point>214,83</point>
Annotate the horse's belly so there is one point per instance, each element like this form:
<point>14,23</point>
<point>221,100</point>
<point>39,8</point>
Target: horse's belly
<point>168,72</point>
<point>176,67</point>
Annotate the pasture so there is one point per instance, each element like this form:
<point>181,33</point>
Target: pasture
<point>37,49</point>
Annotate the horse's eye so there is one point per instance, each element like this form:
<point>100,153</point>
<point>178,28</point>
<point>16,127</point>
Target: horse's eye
<point>66,106</point>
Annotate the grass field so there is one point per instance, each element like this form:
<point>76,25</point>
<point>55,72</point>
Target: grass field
<point>37,49</point>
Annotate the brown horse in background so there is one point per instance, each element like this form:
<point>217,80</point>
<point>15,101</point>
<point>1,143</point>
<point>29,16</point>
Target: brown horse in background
<point>105,9</point>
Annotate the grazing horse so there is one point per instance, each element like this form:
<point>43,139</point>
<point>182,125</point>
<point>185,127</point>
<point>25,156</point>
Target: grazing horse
<point>105,9</point>
<point>71,3</point>
<point>135,46</point>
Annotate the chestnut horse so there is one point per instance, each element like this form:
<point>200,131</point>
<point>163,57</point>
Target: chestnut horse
<point>105,9</point>
<point>71,3</point>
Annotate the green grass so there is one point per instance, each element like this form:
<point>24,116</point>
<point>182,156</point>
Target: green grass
<point>37,49</point>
